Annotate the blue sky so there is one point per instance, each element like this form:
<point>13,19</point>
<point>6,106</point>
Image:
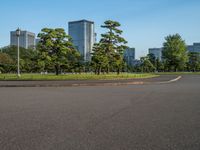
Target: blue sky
<point>145,22</point>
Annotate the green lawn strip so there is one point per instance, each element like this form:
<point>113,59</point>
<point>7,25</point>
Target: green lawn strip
<point>36,77</point>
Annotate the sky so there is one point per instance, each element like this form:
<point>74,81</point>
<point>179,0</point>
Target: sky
<point>145,23</point>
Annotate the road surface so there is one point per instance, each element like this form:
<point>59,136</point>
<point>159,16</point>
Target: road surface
<point>131,117</point>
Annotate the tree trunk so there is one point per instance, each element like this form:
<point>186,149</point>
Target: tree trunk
<point>99,70</point>
<point>108,69</point>
<point>176,70</point>
<point>57,69</point>
<point>118,71</point>
<point>96,71</point>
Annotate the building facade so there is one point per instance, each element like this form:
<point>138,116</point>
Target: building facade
<point>129,56</point>
<point>26,39</point>
<point>37,41</point>
<point>194,48</point>
<point>83,37</point>
<point>157,52</point>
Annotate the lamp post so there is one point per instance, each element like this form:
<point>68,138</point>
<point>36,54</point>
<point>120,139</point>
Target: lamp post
<point>18,59</point>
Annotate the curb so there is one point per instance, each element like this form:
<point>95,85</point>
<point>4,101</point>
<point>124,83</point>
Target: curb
<point>95,84</point>
<point>77,85</point>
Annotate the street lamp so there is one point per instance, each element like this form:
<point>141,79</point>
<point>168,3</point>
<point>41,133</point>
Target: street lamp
<point>18,65</point>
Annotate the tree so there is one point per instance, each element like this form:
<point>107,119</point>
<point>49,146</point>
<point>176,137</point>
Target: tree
<point>99,59</point>
<point>12,52</point>
<point>194,61</point>
<point>55,48</point>
<point>151,57</point>
<point>146,65</point>
<point>159,65</point>
<point>27,61</point>
<point>74,60</point>
<point>6,63</point>
<point>175,53</point>
<point>113,45</point>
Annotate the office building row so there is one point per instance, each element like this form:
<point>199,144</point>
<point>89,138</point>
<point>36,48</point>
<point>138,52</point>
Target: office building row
<point>158,51</point>
<point>194,48</point>
<point>83,37</point>
<point>82,33</point>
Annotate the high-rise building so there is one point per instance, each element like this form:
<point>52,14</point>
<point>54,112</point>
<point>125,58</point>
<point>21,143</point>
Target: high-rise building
<point>129,56</point>
<point>26,39</point>
<point>194,48</point>
<point>37,41</point>
<point>83,37</point>
<point>157,52</point>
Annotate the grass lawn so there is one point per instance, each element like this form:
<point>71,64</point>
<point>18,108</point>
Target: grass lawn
<point>75,76</point>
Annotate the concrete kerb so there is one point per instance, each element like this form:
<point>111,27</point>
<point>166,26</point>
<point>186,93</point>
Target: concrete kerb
<point>94,84</point>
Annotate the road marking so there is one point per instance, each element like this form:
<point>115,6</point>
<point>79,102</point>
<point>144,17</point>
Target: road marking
<point>171,81</point>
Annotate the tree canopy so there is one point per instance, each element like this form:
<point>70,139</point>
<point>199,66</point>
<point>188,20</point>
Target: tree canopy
<point>175,53</point>
<point>194,61</point>
<point>108,53</point>
<point>56,48</point>
<point>6,63</point>
<point>55,53</point>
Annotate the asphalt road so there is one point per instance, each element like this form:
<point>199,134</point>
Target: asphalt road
<point>134,117</point>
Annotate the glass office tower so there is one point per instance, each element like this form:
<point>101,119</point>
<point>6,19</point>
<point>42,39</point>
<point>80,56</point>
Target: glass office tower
<point>83,36</point>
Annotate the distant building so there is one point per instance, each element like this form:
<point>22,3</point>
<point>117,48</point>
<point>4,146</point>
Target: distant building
<point>137,62</point>
<point>129,56</point>
<point>157,52</point>
<point>37,41</point>
<point>83,37</point>
<point>26,39</point>
<point>194,48</point>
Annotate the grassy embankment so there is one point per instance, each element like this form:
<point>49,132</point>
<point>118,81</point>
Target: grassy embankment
<point>76,76</point>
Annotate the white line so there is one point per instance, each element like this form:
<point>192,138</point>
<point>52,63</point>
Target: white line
<point>173,80</point>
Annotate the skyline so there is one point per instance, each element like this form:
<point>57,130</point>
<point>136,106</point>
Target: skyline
<point>145,24</point>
